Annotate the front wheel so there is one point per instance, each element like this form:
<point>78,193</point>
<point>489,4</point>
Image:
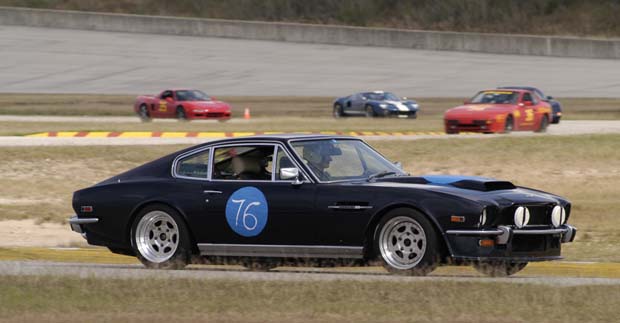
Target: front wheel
<point>370,112</point>
<point>544,123</point>
<point>509,124</point>
<point>406,242</point>
<point>181,115</point>
<point>499,269</point>
<point>143,113</point>
<point>338,111</point>
<point>160,238</point>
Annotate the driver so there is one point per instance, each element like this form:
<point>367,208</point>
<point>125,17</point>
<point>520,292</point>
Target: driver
<point>318,157</point>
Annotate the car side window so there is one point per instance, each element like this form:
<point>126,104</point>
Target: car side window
<point>166,94</point>
<point>196,166</point>
<point>283,160</point>
<point>250,163</point>
<point>528,97</point>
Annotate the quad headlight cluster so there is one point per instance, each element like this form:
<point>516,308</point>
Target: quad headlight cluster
<point>522,216</point>
<point>558,216</point>
<point>483,218</point>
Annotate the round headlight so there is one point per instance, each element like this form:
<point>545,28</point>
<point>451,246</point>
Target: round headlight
<point>522,216</point>
<point>483,218</point>
<point>558,216</point>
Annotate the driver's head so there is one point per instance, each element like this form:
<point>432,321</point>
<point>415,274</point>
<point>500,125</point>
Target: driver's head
<point>318,154</point>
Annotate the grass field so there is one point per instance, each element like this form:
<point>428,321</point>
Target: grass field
<point>586,169</point>
<point>56,299</point>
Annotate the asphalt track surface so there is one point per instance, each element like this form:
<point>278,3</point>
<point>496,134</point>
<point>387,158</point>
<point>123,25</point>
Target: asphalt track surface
<point>568,127</point>
<point>73,61</point>
<point>40,268</point>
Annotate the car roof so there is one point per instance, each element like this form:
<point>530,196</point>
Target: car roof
<point>507,88</point>
<point>279,137</point>
<point>529,88</point>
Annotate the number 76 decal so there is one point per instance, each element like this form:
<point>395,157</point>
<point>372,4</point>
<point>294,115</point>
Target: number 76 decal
<point>247,211</point>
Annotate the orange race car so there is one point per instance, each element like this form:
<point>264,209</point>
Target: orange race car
<point>505,110</point>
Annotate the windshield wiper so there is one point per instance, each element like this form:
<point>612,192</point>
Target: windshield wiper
<point>380,174</point>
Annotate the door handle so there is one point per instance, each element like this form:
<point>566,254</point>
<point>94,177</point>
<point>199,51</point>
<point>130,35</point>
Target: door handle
<point>212,192</point>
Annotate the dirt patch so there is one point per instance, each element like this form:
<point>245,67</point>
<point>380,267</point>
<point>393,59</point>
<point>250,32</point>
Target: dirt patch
<point>28,233</point>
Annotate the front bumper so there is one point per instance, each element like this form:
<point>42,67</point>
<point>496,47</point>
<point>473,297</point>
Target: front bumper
<point>483,126</point>
<point>400,114</point>
<point>200,114</point>
<point>77,224</point>
<point>528,244</point>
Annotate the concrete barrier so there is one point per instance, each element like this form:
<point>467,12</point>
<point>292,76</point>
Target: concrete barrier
<point>324,34</point>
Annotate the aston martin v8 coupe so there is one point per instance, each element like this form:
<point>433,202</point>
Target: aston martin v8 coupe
<point>264,201</point>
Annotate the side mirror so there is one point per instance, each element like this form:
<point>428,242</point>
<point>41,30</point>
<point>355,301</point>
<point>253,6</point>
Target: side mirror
<point>549,97</point>
<point>291,173</point>
<point>528,103</point>
<point>399,165</point>
<point>169,99</point>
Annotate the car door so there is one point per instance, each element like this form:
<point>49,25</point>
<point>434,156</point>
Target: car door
<point>528,107</point>
<point>249,205</point>
<point>162,108</point>
<point>358,103</point>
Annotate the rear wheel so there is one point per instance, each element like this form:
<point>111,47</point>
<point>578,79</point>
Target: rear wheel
<point>407,243</point>
<point>338,111</point>
<point>143,113</point>
<point>160,238</point>
<point>370,112</point>
<point>181,114</point>
<point>544,123</point>
<point>499,269</point>
<point>509,124</point>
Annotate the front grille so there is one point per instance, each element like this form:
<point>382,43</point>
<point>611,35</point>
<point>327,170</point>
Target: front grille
<point>540,214</point>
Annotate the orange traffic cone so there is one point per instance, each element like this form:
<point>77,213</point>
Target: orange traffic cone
<point>246,114</point>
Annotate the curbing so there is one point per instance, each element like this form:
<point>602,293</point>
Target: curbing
<point>323,34</point>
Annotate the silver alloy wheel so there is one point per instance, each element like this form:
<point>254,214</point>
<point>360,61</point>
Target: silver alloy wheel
<point>402,242</point>
<point>157,236</point>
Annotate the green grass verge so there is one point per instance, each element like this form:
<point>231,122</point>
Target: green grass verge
<point>63,299</point>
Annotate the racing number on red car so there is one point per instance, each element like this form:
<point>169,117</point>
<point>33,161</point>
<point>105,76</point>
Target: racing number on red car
<point>163,105</point>
<point>529,115</point>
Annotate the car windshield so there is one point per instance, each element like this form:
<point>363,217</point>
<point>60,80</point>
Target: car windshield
<point>495,97</point>
<point>381,96</point>
<point>192,95</point>
<point>343,159</point>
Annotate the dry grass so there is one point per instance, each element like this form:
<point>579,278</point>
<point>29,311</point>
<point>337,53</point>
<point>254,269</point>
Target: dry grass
<point>585,169</point>
<point>62,299</point>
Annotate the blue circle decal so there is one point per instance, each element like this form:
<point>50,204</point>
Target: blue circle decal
<point>247,211</point>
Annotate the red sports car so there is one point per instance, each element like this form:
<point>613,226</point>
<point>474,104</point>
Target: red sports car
<point>502,110</point>
<point>183,104</point>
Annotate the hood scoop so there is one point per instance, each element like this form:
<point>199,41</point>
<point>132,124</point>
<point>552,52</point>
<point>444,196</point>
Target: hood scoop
<point>470,182</point>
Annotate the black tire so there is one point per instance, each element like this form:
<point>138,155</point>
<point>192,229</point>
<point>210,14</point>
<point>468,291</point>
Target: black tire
<point>180,257</point>
<point>544,123</point>
<point>338,113</point>
<point>509,124</point>
<point>499,269</point>
<point>143,113</point>
<point>370,112</point>
<point>181,115</point>
<point>418,263</point>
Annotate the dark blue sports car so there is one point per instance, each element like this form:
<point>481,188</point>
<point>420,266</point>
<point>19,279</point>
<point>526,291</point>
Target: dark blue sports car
<point>375,104</point>
<point>556,107</point>
<point>326,200</point>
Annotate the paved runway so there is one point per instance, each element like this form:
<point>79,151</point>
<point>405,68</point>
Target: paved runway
<point>73,61</point>
<point>41,268</point>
